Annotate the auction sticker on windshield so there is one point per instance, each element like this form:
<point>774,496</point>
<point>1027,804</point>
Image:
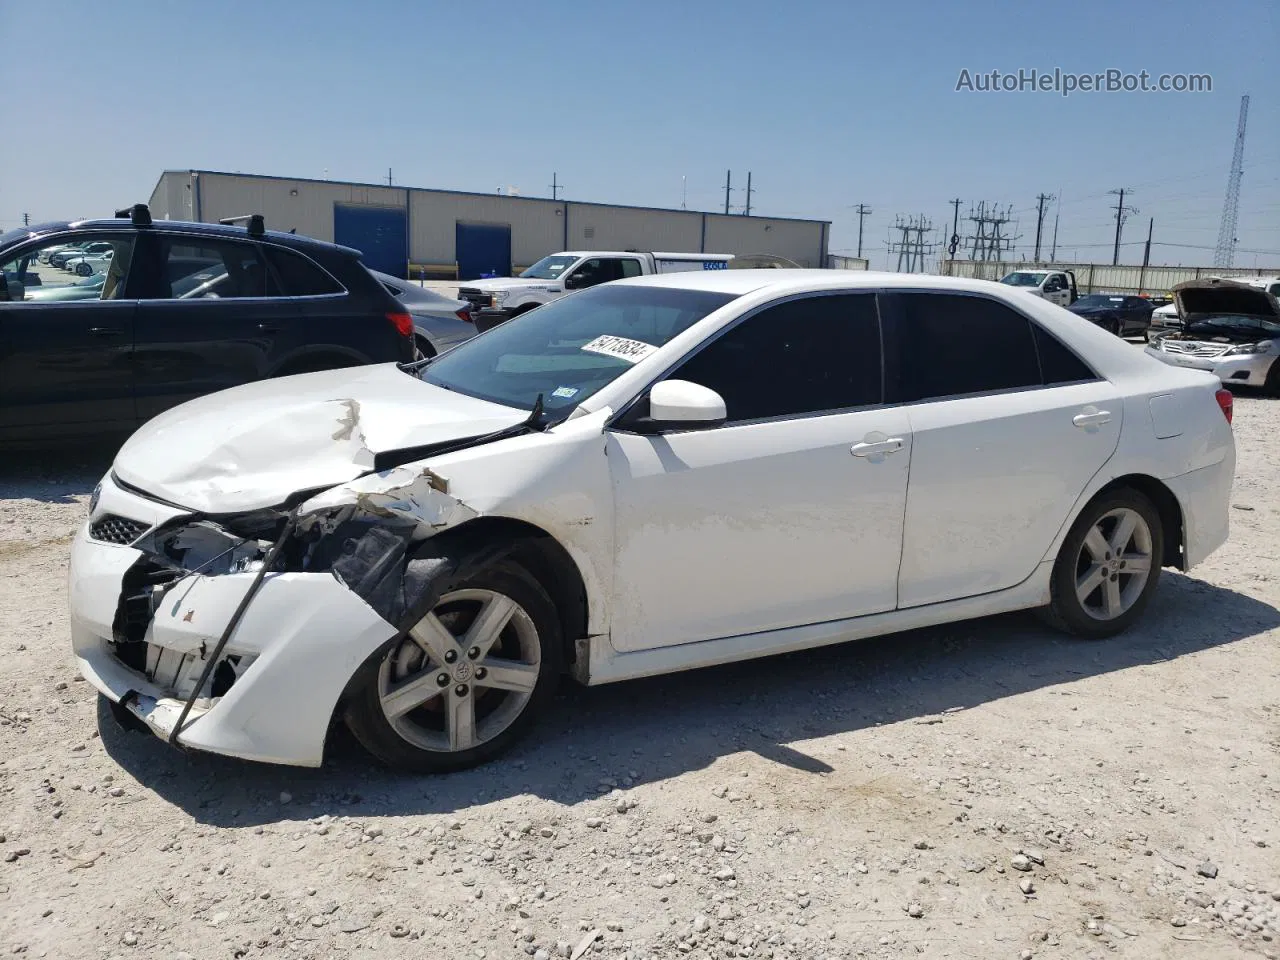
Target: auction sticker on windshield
<point>632,351</point>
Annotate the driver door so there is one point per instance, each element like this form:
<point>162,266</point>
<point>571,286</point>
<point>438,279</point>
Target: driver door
<point>789,513</point>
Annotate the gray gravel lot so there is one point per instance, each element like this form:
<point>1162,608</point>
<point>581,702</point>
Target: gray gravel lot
<point>985,790</point>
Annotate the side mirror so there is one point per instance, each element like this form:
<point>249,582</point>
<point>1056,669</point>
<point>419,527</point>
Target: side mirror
<point>680,405</point>
<point>10,290</point>
<point>575,281</point>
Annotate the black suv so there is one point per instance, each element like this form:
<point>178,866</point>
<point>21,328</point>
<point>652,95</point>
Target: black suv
<point>172,311</point>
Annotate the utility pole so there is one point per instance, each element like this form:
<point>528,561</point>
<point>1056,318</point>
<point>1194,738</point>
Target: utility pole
<point>555,187</point>
<point>728,177</point>
<point>863,210</point>
<point>988,239</point>
<point>684,193</point>
<point>1224,252</point>
<point>1041,200</point>
<point>1146,256</point>
<point>747,212</point>
<point>1053,254</point>
<point>911,247</point>
<point>1121,213</point>
<point>388,176</point>
<point>26,219</point>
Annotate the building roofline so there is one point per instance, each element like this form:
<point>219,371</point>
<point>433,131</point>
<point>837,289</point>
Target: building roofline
<point>490,196</point>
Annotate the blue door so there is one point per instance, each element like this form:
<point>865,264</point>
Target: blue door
<point>379,233</point>
<point>483,249</point>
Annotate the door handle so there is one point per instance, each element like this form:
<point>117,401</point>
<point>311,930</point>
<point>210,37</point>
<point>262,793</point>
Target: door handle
<point>864,449</point>
<point>268,328</point>
<point>105,331</point>
<point>1092,419</point>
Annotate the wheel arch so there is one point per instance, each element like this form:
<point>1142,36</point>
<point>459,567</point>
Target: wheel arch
<point>1166,504</point>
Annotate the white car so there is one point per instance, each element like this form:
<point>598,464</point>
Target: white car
<point>647,476</point>
<point>1230,328</point>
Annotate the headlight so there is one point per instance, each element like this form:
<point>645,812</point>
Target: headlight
<point>1249,348</point>
<point>498,297</point>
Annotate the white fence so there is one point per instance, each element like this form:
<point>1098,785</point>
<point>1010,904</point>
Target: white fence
<point>1102,277</point>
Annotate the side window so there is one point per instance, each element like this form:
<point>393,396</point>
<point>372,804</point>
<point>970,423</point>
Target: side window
<point>88,267</point>
<point>199,269</point>
<point>598,270</point>
<point>951,344</point>
<point>1053,285</point>
<point>631,268</point>
<point>799,357</point>
<point>1057,363</point>
<point>300,276</point>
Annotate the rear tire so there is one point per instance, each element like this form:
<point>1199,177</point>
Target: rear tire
<point>1108,567</point>
<point>424,347</point>
<point>1272,385</point>
<point>457,714</point>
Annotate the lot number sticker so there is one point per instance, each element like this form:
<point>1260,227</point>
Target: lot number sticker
<point>632,351</point>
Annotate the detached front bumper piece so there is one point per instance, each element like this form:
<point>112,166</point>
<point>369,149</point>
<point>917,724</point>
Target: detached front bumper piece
<point>272,693</point>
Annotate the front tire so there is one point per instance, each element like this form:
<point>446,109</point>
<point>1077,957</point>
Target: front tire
<point>1108,566</point>
<point>467,681</point>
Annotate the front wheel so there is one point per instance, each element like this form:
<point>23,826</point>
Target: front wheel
<point>467,681</point>
<point>1108,566</point>
<point>83,270</point>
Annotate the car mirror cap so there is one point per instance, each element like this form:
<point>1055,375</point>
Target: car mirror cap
<point>685,402</point>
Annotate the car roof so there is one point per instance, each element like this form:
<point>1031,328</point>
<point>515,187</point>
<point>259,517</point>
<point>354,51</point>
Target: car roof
<point>784,282</point>
<point>187,227</point>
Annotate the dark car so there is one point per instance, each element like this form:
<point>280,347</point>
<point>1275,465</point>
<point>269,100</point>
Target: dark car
<point>1124,316</point>
<point>183,310</point>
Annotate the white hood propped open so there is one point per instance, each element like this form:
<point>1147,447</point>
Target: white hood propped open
<point>252,446</point>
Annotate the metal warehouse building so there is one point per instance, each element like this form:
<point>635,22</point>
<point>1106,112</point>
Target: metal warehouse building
<point>448,234</point>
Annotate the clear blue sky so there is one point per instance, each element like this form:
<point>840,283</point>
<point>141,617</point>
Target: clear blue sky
<point>829,104</point>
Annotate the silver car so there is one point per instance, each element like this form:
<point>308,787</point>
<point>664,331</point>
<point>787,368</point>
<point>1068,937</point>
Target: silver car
<point>440,323</point>
<point>1230,329</point>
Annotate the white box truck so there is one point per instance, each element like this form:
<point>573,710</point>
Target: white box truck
<point>497,300</point>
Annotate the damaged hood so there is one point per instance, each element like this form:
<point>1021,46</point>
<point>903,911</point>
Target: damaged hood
<point>253,446</point>
<point>1202,299</point>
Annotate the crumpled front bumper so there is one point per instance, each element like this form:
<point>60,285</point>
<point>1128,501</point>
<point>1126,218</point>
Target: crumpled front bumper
<point>303,637</point>
<point>1249,369</point>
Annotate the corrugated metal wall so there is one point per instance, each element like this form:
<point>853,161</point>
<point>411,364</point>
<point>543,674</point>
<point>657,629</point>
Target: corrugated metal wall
<point>1103,277</point>
<point>538,226</point>
<point>797,240</point>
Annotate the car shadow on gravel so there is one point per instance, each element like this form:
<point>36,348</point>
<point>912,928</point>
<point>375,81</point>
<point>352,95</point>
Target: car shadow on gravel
<point>49,477</point>
<point>666,726</point>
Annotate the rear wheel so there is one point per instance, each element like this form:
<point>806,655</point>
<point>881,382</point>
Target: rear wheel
<point>424,347</point>
<point>467,681</point>
<point>1272,385</point>
<point>1108,566</point>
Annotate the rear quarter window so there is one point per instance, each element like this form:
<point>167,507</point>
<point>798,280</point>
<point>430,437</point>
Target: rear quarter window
<point>299,275</point>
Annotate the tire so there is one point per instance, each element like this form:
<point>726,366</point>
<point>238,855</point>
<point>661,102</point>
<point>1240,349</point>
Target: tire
<point>1101,613</point>
<point>434,736</point>
<point>424,347</point>
<point>1112,327</point>
<point>1272,385</point>
<point>84,270</point>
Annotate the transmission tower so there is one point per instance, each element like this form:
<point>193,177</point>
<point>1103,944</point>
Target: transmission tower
<point>1225,252</point>
<point>989,240</point>
<point>911,246</point>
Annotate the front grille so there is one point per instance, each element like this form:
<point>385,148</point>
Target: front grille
<point>113,529</point>
<point>478,299</point>
<point>1191,348</point>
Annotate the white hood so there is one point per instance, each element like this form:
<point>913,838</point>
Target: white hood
<point>252,446</point>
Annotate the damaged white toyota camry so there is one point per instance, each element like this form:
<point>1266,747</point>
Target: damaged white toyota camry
<point>647,476</point>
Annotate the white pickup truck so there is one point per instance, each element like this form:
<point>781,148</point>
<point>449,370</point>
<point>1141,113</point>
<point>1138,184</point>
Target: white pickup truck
<point>1056,286</point>
<point>494,301</point>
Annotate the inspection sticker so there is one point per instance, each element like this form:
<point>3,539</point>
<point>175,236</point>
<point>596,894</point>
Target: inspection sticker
<point>632,351</point>
<point>564,393</point>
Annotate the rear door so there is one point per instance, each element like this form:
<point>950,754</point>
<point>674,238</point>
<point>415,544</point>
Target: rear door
<point>209,319</point>
<point>65,345</point>
<point>1008,426</point>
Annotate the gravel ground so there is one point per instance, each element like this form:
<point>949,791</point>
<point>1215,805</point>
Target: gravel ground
<point>986,790</point>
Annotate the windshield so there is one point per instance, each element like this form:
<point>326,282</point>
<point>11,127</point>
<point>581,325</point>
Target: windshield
<point>570,348</point>
<point>1098,300</point>
<point>1266,328</point>
<point>550,268</point>
<point>1024,279</point>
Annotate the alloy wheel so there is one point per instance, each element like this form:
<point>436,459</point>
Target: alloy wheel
<point>463,674</point>
<point>1114,564</point>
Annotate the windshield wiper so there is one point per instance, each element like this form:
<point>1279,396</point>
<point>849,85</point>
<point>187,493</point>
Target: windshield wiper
<point>534,423</point>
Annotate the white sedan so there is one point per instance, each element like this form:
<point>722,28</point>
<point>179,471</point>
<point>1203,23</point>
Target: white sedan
<point>648,476</point>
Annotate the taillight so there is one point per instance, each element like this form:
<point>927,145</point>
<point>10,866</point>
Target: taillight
<point>402,322</point>
<point>1227,402</point>
<point>465,315</point>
